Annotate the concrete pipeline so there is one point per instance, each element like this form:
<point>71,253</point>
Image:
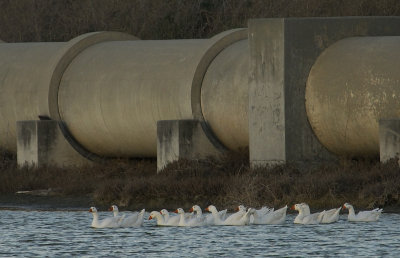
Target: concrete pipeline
<point>110,89</point>
<point>290,89</point>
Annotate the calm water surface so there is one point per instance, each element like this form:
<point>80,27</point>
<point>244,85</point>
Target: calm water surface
<point>63,233</point>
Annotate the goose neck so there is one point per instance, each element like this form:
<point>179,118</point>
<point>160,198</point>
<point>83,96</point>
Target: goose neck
<point>182,219</point>
<point>351,210</point>
<point>306,210</point>
<point>160,219</point>
<point>166,216</point>
<point>95,218</point>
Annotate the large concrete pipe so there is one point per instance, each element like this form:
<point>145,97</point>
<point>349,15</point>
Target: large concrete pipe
<point>25,72</point>
<point>109,91</point>
<point>112,94</point>
<point>29,77</point>
<point>352,85</point>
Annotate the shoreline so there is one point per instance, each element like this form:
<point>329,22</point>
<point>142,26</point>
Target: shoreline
<point>28,202</point>
<point>44,203</point>
<point>226,183</point>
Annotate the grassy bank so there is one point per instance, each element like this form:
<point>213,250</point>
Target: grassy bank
<point>54,20</point>
<point>224,182</point>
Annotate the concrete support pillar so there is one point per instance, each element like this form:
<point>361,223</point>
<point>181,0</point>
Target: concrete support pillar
<point>41,143</point>
<point>389,139</point>
<point>281,54</point>
<point>182,139</point>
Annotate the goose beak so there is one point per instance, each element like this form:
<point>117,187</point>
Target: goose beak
<point>191,209</point>
<point>110,209</point>
<point>150,217</point>
<point>237,208</point>
<point>206,209</point>
<point>344,207</point>
<point>176,211</point>
<point>292,208</point>
<point>90,210</point>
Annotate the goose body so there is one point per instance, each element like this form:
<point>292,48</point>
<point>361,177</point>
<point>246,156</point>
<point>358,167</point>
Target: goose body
<point>263,211</point>
<point>159,218</point>
<point>237,219</point>
<point>362,216</point>
<point>132,220</point>
<point>207,218</point>
<point>217,216</point>
<point>243,221</point>
<point>223,214</point>
<point>217,220</point>
<point>305,217</point>
<point>273,217</point>
<point>188,222</point>
<point>331,216</point>
<point>168,219</point>
<point>140,219</point>
<point>109,222</point>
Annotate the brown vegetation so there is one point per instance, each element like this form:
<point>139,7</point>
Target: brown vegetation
<point>224,182</point>
<point>54,20</point>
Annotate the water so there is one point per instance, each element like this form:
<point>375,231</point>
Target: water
<point>63,233</point>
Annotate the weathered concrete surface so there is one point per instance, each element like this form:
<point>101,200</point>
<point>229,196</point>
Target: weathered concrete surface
<point>25,72</point>
<point>182,139</point>
<point>354,83</point>
<point>41,143</point>
<point>266,92</point>
<point>282,52</point>
<point>29,78</point>
<point>124,88</point>
<point>224,96</point>
<point>389,139</point>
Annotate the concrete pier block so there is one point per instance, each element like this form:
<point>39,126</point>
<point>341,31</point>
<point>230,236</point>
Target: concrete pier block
<point>282,52</point>
<point>389,139</point>
<point>182,139</point>
<point>41,143</point>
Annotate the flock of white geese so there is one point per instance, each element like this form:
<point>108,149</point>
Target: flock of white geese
<point>241,217</point>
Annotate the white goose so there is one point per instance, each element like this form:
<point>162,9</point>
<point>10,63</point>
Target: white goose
<point>331,216</point>
<point>232,220</point>
<point>208,219</point>
<point>133,220</point>
<point>362,216</point>
<point>245,219</point>
<point>218,216</point>
<point>110,222</point>
<point>272,217</point>
<point>169,220</point>
<point>160,219</point>
<point>223,214</point>
<point>191,222</point>
<point>304,216</point>
<point>264,210</point>
<point>217,220</point>
<point>115,211</point>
